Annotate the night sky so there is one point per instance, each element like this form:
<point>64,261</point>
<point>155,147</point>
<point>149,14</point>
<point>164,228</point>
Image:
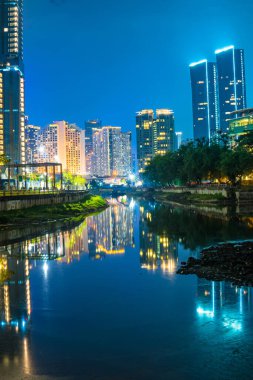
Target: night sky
<point>107,59</point>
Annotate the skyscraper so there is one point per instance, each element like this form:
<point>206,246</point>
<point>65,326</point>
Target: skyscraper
<point>145,138</point>
<point>12,108</point>
<point>155,135</point>
<point>231,83</point>
<point>178,141</point>
<point>112,152</point>
<point>204,99</point>
<point>64,143</point>
<point>164,131</point>
<point>89,125</point>
<point>126,166</point>
<point>32,136</point>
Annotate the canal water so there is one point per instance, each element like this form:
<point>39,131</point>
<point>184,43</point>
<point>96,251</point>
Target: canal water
<point>100,299</point>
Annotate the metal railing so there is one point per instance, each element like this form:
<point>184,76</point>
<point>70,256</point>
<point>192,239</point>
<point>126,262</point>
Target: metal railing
<point>31,192</point>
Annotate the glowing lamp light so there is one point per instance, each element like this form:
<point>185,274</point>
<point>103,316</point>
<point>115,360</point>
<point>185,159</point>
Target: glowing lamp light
<point>235,325</point>
<point>41,149</point>
<point>45,268</point>
<point>208,313</point>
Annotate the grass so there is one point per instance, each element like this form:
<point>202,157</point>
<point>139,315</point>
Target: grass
<point>88,205</point>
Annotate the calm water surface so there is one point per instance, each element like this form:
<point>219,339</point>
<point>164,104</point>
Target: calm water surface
<point>101,300</point>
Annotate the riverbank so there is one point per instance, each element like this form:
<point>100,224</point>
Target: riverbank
<point>232,262</point>
<point>46,213</point>
<point>188,198</point>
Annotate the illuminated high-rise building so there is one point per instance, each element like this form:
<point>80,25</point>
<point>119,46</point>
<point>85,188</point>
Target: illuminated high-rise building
<point>145,138</point>
<point>125,163</point>
<point>155,135</point>
<point>111,152</point>
<point>89,126</point>
<point>64,143</point>
<point>12,108</point>
<point>231,83</point>
<point>178,140</point>
<point>32,137</point>
<point>204,99</point>
<point>164,131</point>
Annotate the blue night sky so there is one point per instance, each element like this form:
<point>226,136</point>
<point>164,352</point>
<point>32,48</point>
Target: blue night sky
<point>108,59</point>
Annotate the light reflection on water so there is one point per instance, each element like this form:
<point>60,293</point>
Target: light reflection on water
<point>103,299</point>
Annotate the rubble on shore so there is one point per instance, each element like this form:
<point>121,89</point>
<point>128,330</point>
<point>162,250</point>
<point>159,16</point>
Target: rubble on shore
<point>231,262</point>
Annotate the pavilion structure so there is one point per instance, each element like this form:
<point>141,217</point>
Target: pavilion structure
<point>21,169</point>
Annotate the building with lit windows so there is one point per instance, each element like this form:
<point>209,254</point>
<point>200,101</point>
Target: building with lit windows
<point>89,126</point>
<point>125,163</point>
<point>204,99</point>
<point>145,138</point>
<point>164,131</point>
<point>12,107</point>
<point>178,139</point>
<point>231,83</point>
<point>32,137</point>
<point>155,135</point>
<point>240,124</point>
<point>64,143</point>
<point>111,152</point>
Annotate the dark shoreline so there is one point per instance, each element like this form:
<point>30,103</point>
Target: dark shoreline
<point>52,213</point>
<point>231,262</point>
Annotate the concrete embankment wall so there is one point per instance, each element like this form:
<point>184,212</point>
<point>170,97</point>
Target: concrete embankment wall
<point>202,191</point>
<point>240,197</point>
<point>27,201</point>
<point>243,197</point>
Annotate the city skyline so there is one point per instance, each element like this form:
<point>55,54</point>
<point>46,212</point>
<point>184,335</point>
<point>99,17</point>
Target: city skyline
<point>133,85</point>
<point>218,90</point>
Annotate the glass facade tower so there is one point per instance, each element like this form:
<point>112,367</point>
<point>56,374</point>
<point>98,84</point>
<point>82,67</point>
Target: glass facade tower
<point>12,107</point>
<point>231,83</point>
<point>204,99</point>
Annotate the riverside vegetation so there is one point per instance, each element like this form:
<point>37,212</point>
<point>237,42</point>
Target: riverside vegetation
<point>200,161</point>
<point>88,205</point>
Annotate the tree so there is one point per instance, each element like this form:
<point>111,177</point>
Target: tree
<point>236,163</point>
<point>246,141</point>
<point>4,160</point>
<point>68,178</point>
<point>33,177</point>
<point>79,181</point>
<point>74,180</point>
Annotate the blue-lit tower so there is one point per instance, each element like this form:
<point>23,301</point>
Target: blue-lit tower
<point>204,99</point>
<point>12,107</point>
<point>231,83</point>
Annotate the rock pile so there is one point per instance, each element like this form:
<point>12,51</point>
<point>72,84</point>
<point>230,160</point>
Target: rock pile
<point>231,262</point>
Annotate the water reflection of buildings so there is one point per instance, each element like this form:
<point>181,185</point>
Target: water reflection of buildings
<point>224,300</point>
<point>156,251</point>
<point>105,234</point>
<point>110,232</point>
<point>16,259</point>
<point>15,297</point>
